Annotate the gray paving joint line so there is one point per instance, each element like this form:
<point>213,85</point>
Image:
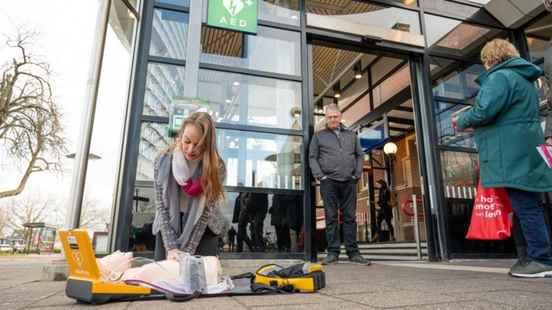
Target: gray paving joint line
<point>495,291</point>
<point>19,284</point>
<point>287,305</point>
<point>234,298</point>
<point>34,302</point>
<point>349,301</point>
<point>443,303</point>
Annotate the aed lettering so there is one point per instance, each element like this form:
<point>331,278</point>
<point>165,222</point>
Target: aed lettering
<point>233,21</point>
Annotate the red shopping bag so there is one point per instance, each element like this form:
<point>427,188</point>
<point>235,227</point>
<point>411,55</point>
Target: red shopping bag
<point>490,218</point>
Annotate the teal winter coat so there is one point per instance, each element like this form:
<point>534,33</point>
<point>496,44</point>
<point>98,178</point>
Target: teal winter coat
<point>507,127</point>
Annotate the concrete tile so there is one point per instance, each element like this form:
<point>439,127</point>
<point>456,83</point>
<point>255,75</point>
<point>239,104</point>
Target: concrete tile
<point>58,300</point>
<point>455,285</point>
<point>518,299</point>
<point>284,299</point>
<point>215,303</point>
<point>325,306</point>
<point>108,306</point>
<point>367,287</point>
<point>468,305</point>
<point>26,294</point>
<point>400,298</point>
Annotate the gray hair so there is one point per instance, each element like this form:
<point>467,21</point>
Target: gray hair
<point>332,107</point>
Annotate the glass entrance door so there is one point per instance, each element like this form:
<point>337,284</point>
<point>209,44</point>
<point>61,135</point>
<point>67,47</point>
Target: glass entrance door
<point>374,94</point>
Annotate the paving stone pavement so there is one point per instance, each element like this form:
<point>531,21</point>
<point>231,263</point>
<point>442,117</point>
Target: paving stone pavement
<point>380,286</point>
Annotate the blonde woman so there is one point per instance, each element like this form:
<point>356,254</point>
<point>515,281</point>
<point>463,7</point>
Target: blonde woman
<point>507,131</point>
<point>188,182</point>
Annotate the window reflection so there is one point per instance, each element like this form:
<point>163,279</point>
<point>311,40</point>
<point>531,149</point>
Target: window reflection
<point>446,133</point>
<point>537,47</point>
<point>164,87</point>
<point>457,37</point>
<point>454,88</point>
<point>252,159</point>
<point>261,159</point>
<point>169,34</point>
<point>453,79</point>
<point>106,141</point>
<point>366,18</point>
<point>459,174</point>
<point>271,50</point>
<point>457,9</point>
<point>250,100</point>
<point>261,222</point>
<point>175,2</point>
<point>364,12</point>
<point>153,140</point>
<point>539,37</point>
<point>285,12</point>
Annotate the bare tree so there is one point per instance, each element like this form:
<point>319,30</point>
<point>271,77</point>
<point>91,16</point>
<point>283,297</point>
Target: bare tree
<point>3,221</point>
<point>26,209</point>
<point>30,126</point>
<point>94,217</point>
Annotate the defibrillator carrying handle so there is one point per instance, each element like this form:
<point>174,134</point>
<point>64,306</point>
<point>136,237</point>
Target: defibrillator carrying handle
<point>247,275</point>
<point>182,297</point>
<point>260,288</point>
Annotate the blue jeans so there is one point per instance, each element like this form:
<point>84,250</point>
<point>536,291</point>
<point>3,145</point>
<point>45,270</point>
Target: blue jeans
<point>531,218</point>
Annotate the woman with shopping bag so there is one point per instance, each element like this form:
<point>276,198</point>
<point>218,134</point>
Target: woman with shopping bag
<point>506,120</point>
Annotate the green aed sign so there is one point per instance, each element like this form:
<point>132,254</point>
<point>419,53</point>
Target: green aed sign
<point>238,15</point>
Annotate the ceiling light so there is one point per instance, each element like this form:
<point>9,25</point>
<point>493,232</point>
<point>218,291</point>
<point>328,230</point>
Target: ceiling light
<point>337,90</point>
<point>236,83</point>
<point>228,101</point>
<point>358,71</point>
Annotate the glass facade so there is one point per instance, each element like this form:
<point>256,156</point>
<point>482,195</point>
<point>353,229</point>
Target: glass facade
<point>104,161</point>
<point>235,99</point>
<point>227,48</point>
<point>376,19</point>
<point>255,87</point>
<point>457,37</point>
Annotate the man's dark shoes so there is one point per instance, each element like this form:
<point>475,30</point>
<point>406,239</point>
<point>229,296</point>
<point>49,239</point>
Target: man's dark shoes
<point>330,259</point>
<point>357,258</point>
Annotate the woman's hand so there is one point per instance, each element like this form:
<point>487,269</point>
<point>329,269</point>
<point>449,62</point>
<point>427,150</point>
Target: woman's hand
<point>173,254</point>
<point>455,123</point>
<point>549,140</point>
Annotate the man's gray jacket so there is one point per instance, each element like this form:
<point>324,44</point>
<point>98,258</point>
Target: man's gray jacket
<point>338,157</point>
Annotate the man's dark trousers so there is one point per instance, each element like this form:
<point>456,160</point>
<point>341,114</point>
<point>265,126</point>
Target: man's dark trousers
<point>340,195</point>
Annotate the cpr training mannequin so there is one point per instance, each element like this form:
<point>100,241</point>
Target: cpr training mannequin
<point>188,183</point>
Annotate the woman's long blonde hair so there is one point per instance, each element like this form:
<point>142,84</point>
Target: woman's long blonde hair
<point>212,165</point>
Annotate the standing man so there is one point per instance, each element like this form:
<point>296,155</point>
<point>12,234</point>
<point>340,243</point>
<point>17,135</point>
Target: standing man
<point>336,160</point>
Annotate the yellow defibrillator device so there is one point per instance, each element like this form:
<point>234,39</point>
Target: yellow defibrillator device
<point>84,282</point>
<point>303,278</point>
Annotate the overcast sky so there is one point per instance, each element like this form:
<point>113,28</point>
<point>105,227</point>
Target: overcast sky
<point>66,30</point>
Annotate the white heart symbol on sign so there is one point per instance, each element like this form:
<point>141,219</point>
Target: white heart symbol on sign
<point>234,7</point>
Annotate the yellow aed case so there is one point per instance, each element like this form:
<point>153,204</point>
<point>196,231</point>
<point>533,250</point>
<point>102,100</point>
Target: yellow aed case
<point>84,282</point>
<point>310,280</point>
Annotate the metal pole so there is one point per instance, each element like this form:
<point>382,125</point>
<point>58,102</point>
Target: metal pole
<point>416,227</point>
<point>85,136</point>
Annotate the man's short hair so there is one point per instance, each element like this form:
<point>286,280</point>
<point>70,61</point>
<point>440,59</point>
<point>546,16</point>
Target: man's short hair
<point>332,107</point>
